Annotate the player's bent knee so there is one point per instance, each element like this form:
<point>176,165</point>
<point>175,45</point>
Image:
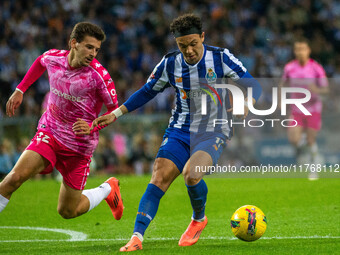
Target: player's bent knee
<point>191,179</point>
<point>162,174</point>
<point>160,181</point>
<point>66,213</point>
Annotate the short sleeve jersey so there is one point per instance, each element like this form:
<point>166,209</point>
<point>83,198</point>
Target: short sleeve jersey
<point>303,77</point>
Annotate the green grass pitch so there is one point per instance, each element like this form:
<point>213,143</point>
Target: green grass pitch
<point>303,218</point>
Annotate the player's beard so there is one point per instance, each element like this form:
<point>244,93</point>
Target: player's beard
<point>87,61</point>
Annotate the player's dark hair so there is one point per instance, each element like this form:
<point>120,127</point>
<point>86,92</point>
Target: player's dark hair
<point>83,29</point>
<point>185,23</point>
<point>302,40</point>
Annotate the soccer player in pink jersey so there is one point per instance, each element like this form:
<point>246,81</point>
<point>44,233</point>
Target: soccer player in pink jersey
<point>306,73</point>
<point>79,86</point>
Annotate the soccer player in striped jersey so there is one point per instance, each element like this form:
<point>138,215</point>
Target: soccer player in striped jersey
<point>190,139</point>
<point>306,73</point>
<point>79,87</point>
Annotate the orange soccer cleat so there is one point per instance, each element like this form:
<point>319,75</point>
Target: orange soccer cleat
<point>114,199</point>
<point>193,232</point>
<point>133,245</point>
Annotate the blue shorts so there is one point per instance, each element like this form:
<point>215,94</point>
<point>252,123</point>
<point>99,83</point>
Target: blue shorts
<point>179,145</point>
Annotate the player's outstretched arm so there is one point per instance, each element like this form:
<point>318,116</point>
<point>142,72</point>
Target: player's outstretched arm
<point>109,118</point>
<point>14,102</point>
<point>136,100</point>
<point>35,71</point>
<point>318,90</point>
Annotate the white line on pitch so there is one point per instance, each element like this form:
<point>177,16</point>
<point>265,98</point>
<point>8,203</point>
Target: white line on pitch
<point>169,239</point>
<point>74,235</point>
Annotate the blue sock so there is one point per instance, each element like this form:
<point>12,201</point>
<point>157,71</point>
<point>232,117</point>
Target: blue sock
<point>198,197</point>
<point>148,207</point>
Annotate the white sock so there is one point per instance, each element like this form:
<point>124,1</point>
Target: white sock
<point>139,235</point>
<point>198,220</point>
<point>97,195</point>
<point>314,148</point>
<point>3,202</point>
<point>314,152</point>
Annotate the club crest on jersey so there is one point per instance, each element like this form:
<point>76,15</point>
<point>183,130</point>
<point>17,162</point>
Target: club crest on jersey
<point>211,75</point>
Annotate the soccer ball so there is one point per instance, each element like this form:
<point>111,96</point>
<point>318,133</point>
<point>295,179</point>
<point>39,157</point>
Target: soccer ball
<point>248,223</point>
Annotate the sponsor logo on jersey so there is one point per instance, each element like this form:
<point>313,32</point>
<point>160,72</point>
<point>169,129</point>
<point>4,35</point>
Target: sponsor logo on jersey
<point>113,92</point>
<point>183,94</point>
<point>66,96</point>
<point>191,94</point>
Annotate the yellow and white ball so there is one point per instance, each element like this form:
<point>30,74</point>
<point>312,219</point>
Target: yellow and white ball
<point>248,223</point>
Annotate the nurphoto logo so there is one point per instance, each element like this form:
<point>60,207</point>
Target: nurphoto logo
<point>239,103</point>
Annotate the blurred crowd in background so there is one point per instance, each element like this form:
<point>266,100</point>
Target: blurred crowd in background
<point>260,33</point>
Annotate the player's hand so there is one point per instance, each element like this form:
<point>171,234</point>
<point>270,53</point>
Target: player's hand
<point>13,103</point>
<point>314,89</point>
<point>103,120</point>
<point>80,127</point>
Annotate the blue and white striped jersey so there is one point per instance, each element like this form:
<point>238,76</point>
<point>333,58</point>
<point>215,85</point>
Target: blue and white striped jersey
<point>190,82</point>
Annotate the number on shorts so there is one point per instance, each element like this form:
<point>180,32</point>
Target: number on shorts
<point>219,142</point>
<point>43,139</point>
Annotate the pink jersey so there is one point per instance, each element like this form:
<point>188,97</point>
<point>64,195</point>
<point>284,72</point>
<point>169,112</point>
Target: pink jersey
<point>74,93</point>
<point>304,76</point>
<point>45,101</point>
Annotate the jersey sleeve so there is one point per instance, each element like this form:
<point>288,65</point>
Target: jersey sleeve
<point>33,73</point>
<point>248,81</point>
<point>159,78</point>
<point>108,94</point>
<point>45,60</point>
<point>106,91</point>
<point>38,68</point>
<point>232,67</point>
<point>321,75</point>
<point>285,73</point>
<point>156,83</point>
